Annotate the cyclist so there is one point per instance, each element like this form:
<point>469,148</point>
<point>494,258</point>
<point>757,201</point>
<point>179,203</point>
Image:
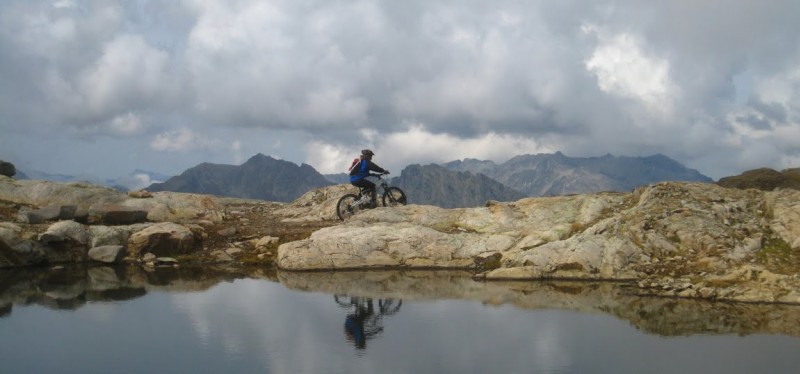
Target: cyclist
<point>361,171</point>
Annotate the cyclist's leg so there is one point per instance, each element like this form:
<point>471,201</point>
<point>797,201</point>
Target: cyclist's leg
<point>368,187</point>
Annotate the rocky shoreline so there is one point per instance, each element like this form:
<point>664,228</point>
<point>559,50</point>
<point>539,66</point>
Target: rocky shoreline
<point>688,240</point>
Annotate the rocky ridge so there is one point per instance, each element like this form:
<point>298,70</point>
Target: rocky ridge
<point>671,239</point>
<point>691,240</point>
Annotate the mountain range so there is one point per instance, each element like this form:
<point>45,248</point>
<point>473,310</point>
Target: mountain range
<point>461,183</point>
<point>557,174</point>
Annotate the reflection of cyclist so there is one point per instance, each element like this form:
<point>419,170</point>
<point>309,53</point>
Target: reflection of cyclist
<point>361,171</point>
<point>354,325</point>
<point>364,323</point>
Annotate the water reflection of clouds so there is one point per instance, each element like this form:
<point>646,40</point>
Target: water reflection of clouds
<point>293,332</point>
<point>262,319</point>
<point>290,331</point>
<point>250,325</point>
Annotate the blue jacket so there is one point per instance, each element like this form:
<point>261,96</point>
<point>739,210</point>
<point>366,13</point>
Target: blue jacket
<point>364,169</point>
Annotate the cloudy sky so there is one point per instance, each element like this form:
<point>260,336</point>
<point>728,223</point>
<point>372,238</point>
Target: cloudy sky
<point>104,87</point>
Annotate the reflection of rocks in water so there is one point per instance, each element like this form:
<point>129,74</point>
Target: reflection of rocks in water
<point>63,289</point>
<point>663,316</point>
<point>119,294</point>
<point>71,287</point>
<point>675,317</point>
<point>5,309</point>
<point>61,303</point>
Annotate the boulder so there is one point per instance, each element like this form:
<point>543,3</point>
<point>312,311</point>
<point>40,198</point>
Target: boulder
<point>266,243</point>
<point>15,251</point>
<point>101,235</point>
<point>7,169</point>
<point>63,231</point>
<point>47,213</point>
<point>115,214</point>
<point>141,194</point>
<point>109,254</point>
<point>383,245</point>
<point>46,193</point>
<point>162,239</point>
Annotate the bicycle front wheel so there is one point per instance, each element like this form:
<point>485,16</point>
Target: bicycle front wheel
<point>345,207</point>
<point>394,196</point>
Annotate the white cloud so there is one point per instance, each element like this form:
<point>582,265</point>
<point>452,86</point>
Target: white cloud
<point>418,145</point>
<point>64,4</point>
<point>127,124</point>
<point>236,148</point>
<point>329,158</point>
<point>129,73</point>
<point>623,68</point>
<point>183,139</point>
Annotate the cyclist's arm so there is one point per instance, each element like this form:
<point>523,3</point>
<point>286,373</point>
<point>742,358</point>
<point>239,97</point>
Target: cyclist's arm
<point>371,166</point>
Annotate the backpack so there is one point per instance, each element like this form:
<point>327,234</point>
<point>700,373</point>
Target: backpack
<point>354,166</point>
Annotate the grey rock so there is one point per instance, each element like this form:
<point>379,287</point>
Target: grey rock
<point>109,254</point>
<point>114,214</point>
<point>109,235</point>
<point>65,231</point>
<point>7,169</point>
<point>162,239</point>
<point>48,213</point>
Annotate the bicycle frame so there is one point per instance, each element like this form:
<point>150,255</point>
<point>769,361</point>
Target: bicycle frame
<point>381,183</point>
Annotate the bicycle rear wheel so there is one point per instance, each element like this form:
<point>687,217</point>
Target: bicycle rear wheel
<point>345,207</point>
<point>394,196</point>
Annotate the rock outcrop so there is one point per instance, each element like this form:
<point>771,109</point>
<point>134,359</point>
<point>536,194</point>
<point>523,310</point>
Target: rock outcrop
<point>45,222</point>
<point>676,239</point>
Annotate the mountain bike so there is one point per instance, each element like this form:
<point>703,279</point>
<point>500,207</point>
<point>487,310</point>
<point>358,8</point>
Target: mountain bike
<point>351,204</point>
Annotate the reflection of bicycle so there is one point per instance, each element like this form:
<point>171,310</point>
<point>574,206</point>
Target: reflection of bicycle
<point>363,323</point>
<point>351,204</point>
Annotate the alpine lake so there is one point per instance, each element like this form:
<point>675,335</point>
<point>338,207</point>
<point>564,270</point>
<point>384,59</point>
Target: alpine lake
<point>256,320</point>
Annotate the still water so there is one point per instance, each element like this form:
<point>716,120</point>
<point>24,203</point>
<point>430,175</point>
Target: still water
<point>112,320</point>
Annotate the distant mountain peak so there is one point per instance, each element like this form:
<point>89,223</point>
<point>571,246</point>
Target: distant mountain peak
<point>437,185</point>
<point>260,177</point>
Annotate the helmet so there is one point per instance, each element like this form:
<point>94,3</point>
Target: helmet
<point>367,152</point>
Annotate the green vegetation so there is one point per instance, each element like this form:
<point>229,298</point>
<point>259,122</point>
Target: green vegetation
<point>777,255</point>
<point>764,179</point>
